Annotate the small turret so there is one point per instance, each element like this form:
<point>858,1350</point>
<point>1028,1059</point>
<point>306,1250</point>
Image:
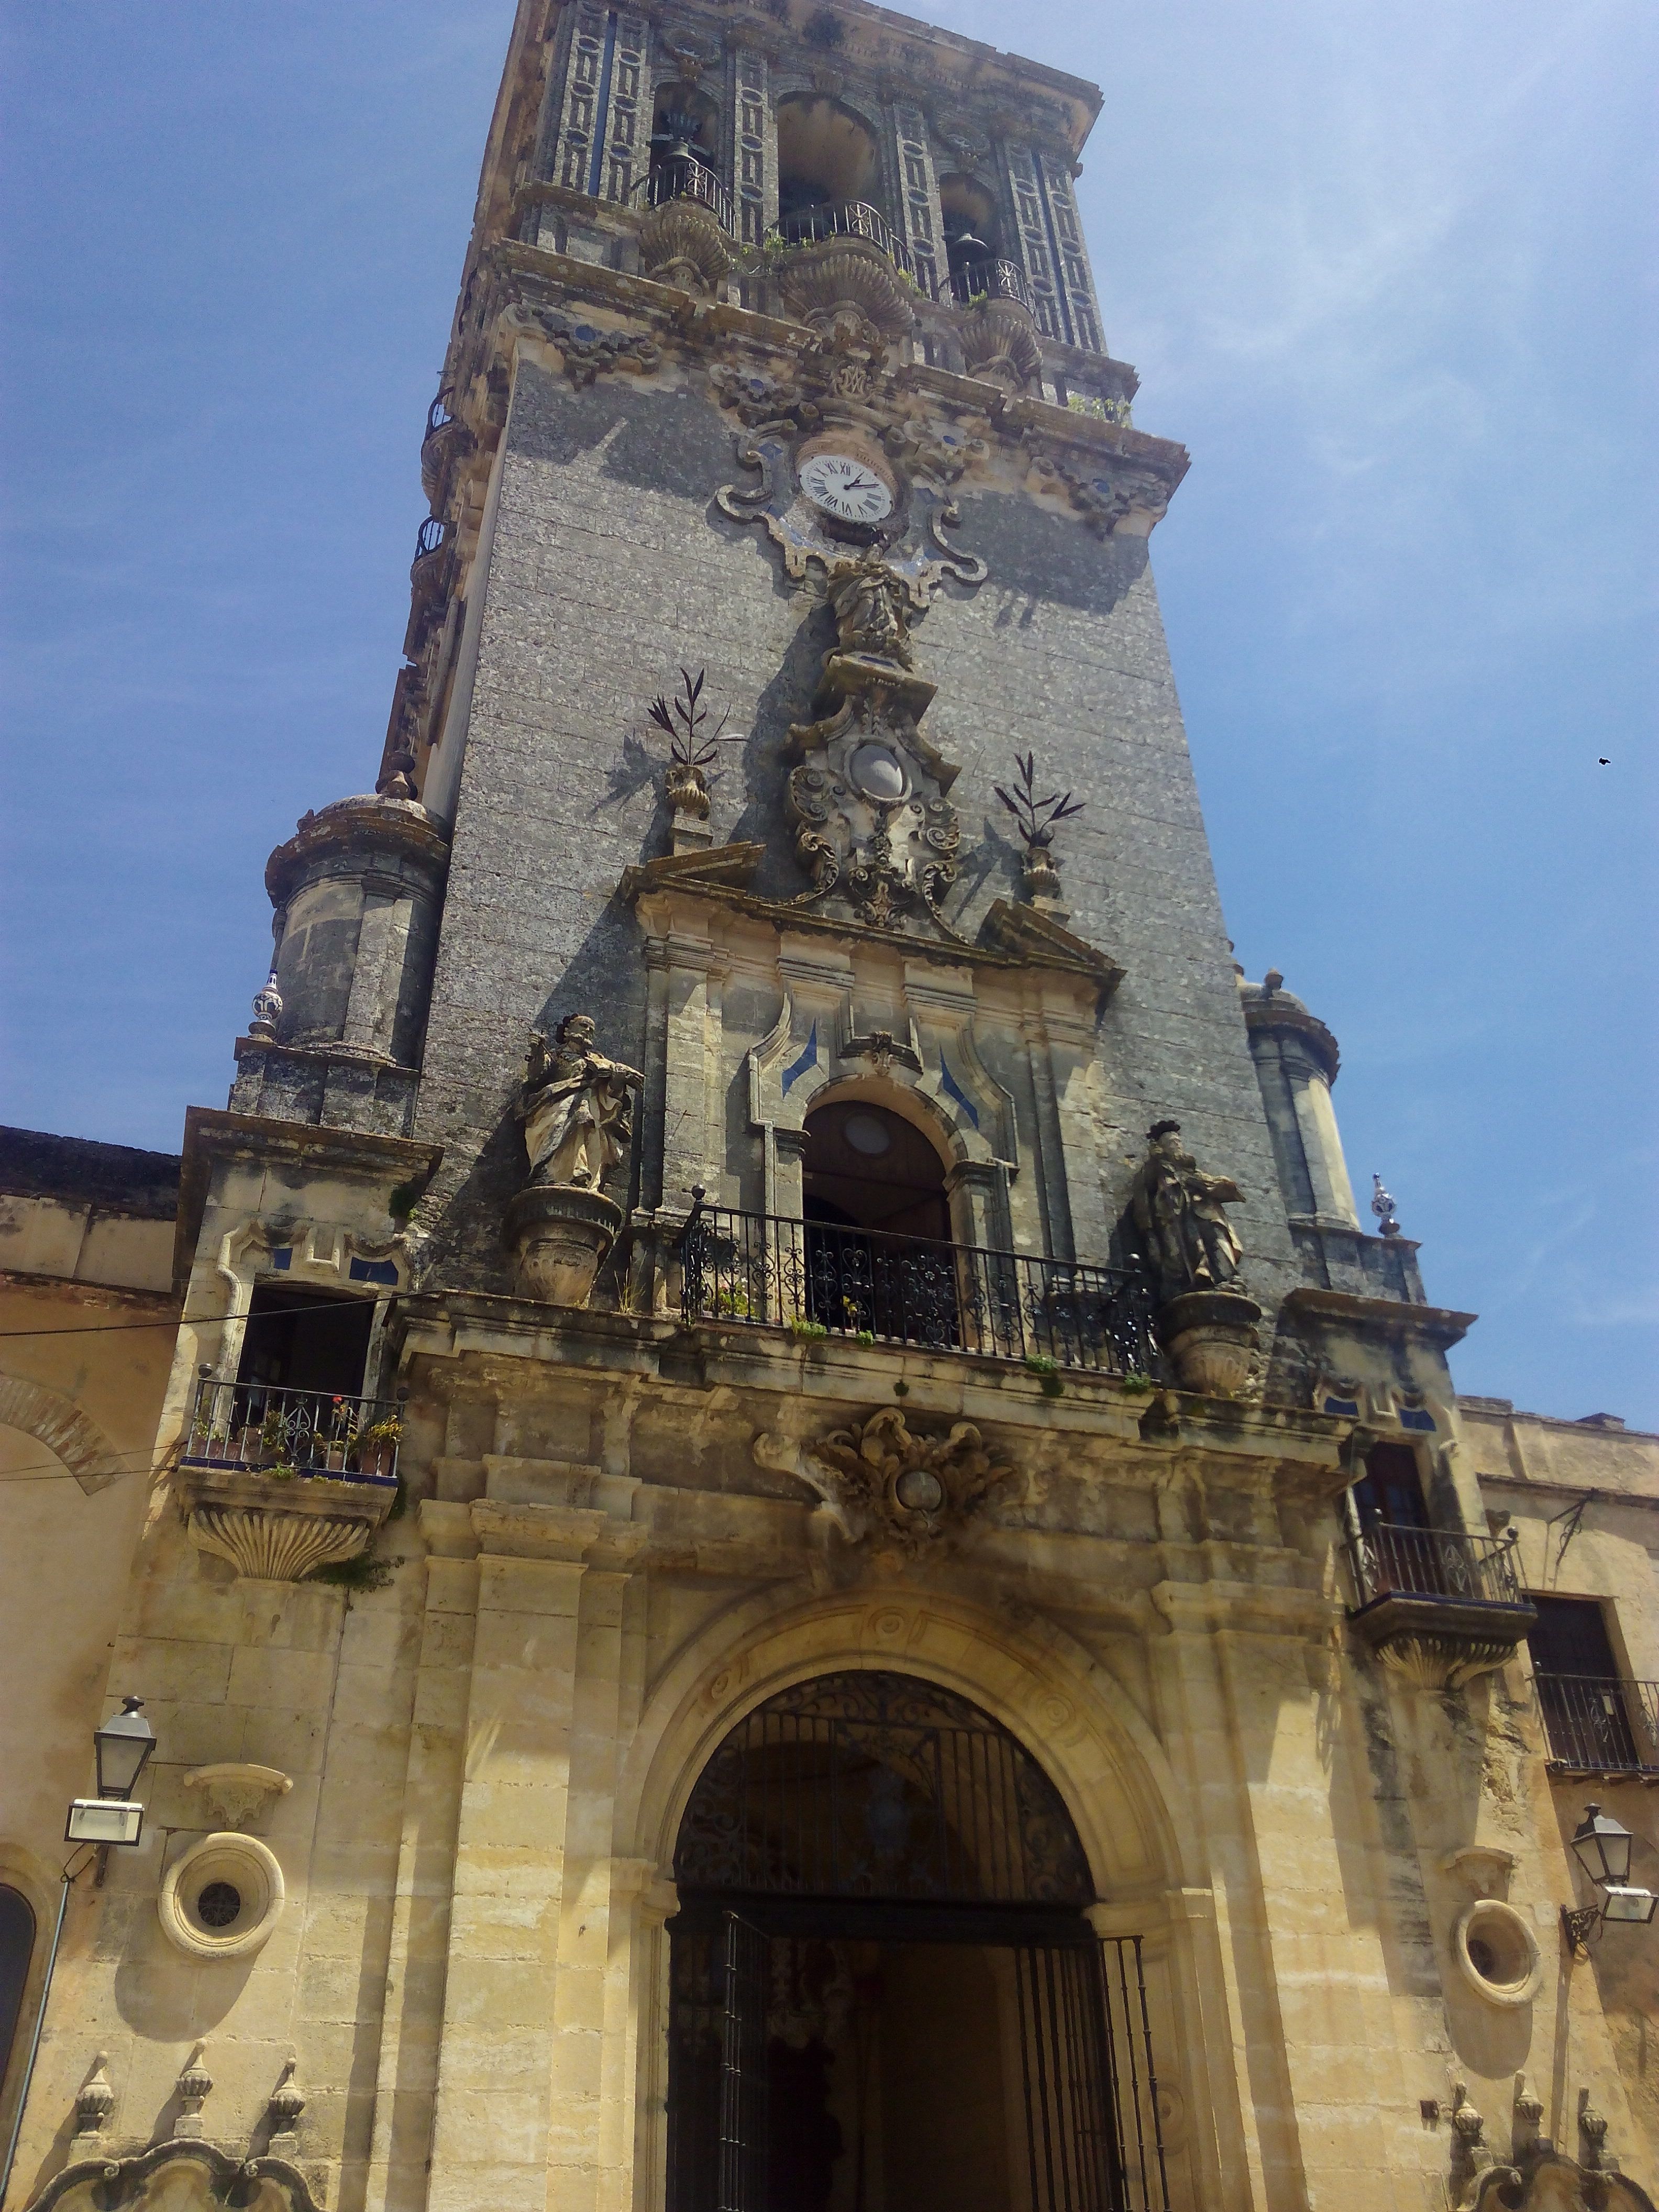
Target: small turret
<point>1296,1062</point>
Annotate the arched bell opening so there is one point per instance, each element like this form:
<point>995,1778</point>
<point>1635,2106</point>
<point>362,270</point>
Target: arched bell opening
<point>972,234</point>
<point>827,159</point>
<point>885,1988</point>
<point>877,1242</point>
<point>684,126</point>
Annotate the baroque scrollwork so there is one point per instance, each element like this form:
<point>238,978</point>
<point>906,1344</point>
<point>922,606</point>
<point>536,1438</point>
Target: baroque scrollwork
<point>895,1491</point>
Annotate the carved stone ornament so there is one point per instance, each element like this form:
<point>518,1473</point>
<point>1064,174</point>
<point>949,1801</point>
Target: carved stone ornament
<point>895,1491</point>
<point>849,290</point>
<point>234,1791</point>
<point>278,1528</point>
<point>682,244</point>
<point>911,536</point>
<point>1000,342</point>
<point>588,351</point>
<point>577,1113</point>
<point>1103,491</point>
<point>184,2175</point>
<point>1190,1242</point>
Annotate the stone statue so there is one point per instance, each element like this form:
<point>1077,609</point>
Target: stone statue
<point>1190,1243</point>
<point>868,599</point>
<point>576,1108</point>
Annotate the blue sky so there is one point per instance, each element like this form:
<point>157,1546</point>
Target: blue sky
<point>1387,271</point>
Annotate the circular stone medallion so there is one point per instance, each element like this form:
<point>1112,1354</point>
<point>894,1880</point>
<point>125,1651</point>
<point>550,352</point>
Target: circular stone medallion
<point>919,1490</point>
<point>879,774</point>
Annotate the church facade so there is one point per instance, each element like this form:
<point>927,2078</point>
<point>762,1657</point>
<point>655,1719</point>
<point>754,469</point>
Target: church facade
<point>798,1555</point>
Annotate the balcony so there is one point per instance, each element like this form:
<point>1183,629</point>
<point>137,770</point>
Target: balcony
<point>818,226</point>
<point>857,1284</point>
<point>990,279</point>
<point>1600,1725</point>
<point>683,177</point>
<point>256,1428</point>
<point>1439,1607</point>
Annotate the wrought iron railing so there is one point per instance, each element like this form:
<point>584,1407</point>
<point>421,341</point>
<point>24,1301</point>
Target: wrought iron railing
<point>1434,1562</point>
<point>853,219</point>
<point>779,1273</point>
<point>683,177</point>
<point>1600,1724</point>
<point>991,280</point>
<point>430,537</point>
<point>264,1428</point>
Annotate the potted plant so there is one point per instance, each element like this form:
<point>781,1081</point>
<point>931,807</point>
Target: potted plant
<point>377,1446</point>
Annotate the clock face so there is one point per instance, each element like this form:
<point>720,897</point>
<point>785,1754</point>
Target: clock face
<point>847,488</point>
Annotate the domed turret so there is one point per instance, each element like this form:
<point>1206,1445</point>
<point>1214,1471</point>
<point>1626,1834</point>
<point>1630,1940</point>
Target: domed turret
<point>1296,1062</point>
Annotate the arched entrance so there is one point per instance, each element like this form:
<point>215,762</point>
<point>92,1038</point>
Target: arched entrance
<point>878,1226</point>
<point>886,1993</point>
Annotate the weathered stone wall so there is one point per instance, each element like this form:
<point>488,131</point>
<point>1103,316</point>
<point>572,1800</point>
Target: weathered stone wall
<point>609,568</point>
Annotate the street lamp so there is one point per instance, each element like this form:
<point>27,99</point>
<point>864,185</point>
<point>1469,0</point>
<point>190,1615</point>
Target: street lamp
<point>123,1747</point>
<point>1602,1848</point>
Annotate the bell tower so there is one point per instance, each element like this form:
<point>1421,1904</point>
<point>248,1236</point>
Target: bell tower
<point>796,1527</point>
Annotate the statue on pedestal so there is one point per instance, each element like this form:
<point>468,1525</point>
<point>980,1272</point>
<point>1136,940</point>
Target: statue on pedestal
<point>1206,1321</point>
<point>577,1112</point>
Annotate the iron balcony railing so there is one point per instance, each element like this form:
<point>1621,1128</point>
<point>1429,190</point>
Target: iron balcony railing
<point>1434,1562</point>
<point>853,219</point>
<point>683,177</point>
<point>778,1272</point>
<point>266,1429</point>
<point>1600,1724</point>
<point>990,279</point>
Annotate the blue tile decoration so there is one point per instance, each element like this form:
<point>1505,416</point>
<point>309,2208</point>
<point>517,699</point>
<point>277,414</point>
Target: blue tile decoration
<point>953,1089</point>
<point>282,1258</point>
<point>809,1058</point>
<point>375,1270</point>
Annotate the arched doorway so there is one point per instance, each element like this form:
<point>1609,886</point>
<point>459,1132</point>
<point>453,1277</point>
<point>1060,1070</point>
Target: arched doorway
<point>885,1994</point>
<point>16,1950</point>
<point>878,1226</point>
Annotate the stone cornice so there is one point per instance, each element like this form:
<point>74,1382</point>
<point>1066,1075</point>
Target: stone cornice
<point>213,1134</point>
<point>1280,1016</point>
<point>541,276</point>
<point>1435,1325</point>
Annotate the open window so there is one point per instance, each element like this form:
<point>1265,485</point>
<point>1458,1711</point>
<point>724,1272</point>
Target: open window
<point>826,159</point>
<point>1594,1719</point>
<point>304,1340</point>
<point>1389,1494</point>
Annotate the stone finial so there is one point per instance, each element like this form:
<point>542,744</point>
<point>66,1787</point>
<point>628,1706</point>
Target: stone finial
<point>1526,2138</point>
<point>194,2086</point>
<point>1035,819</point>
<point>285,2105</point>
<point>1470,2154</point>
<point>1593,2127</point>
<point>1383,1207</point>
<point>267,1010</point>
<point>92,2107</point>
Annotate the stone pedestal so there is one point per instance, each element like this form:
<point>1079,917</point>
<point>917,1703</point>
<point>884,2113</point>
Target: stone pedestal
<point>560,1236</point>
<point>1211,1338</point>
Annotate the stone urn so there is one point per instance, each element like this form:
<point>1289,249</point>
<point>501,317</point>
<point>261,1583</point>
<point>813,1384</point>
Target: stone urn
<point>1211,1338</point>
<point>560,1236</point>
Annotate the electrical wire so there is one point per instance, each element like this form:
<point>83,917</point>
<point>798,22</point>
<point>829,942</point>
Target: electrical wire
<point>182,1321</point>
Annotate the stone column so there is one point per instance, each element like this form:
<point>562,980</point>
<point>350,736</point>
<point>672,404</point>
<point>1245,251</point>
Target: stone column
<point>754,148</point>
<point>491,2139</point>
<point>921,223</point>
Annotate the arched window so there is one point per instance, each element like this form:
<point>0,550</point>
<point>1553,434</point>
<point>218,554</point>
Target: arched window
<point>826,159</point>
<point>884,1986</point>
<point>16,1949</point>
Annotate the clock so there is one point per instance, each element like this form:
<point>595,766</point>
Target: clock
<point>845,487</point>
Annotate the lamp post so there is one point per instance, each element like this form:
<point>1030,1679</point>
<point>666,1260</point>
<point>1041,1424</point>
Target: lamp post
<point>122,1750</point>
<point>1602,1847</point>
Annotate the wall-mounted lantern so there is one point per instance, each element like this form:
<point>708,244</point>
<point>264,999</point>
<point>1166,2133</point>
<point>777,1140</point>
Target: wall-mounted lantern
<point>1602,1848</point>
<point>123,1746</point>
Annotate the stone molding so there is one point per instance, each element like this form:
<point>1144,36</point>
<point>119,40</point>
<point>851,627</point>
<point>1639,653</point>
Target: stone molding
<point>242,1861</point>
<point>57,1423</point>
<point>184,2175</point>
<point>234,1790</point>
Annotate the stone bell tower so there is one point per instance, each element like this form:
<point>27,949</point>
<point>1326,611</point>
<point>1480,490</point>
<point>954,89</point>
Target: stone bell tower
<point>804,1558</point>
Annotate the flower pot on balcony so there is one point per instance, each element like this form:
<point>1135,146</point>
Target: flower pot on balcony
<point>559,1237</point>
<point>1211,1338</point>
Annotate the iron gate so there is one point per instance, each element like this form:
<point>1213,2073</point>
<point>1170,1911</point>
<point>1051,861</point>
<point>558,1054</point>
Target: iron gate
<point>873,1807</point>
